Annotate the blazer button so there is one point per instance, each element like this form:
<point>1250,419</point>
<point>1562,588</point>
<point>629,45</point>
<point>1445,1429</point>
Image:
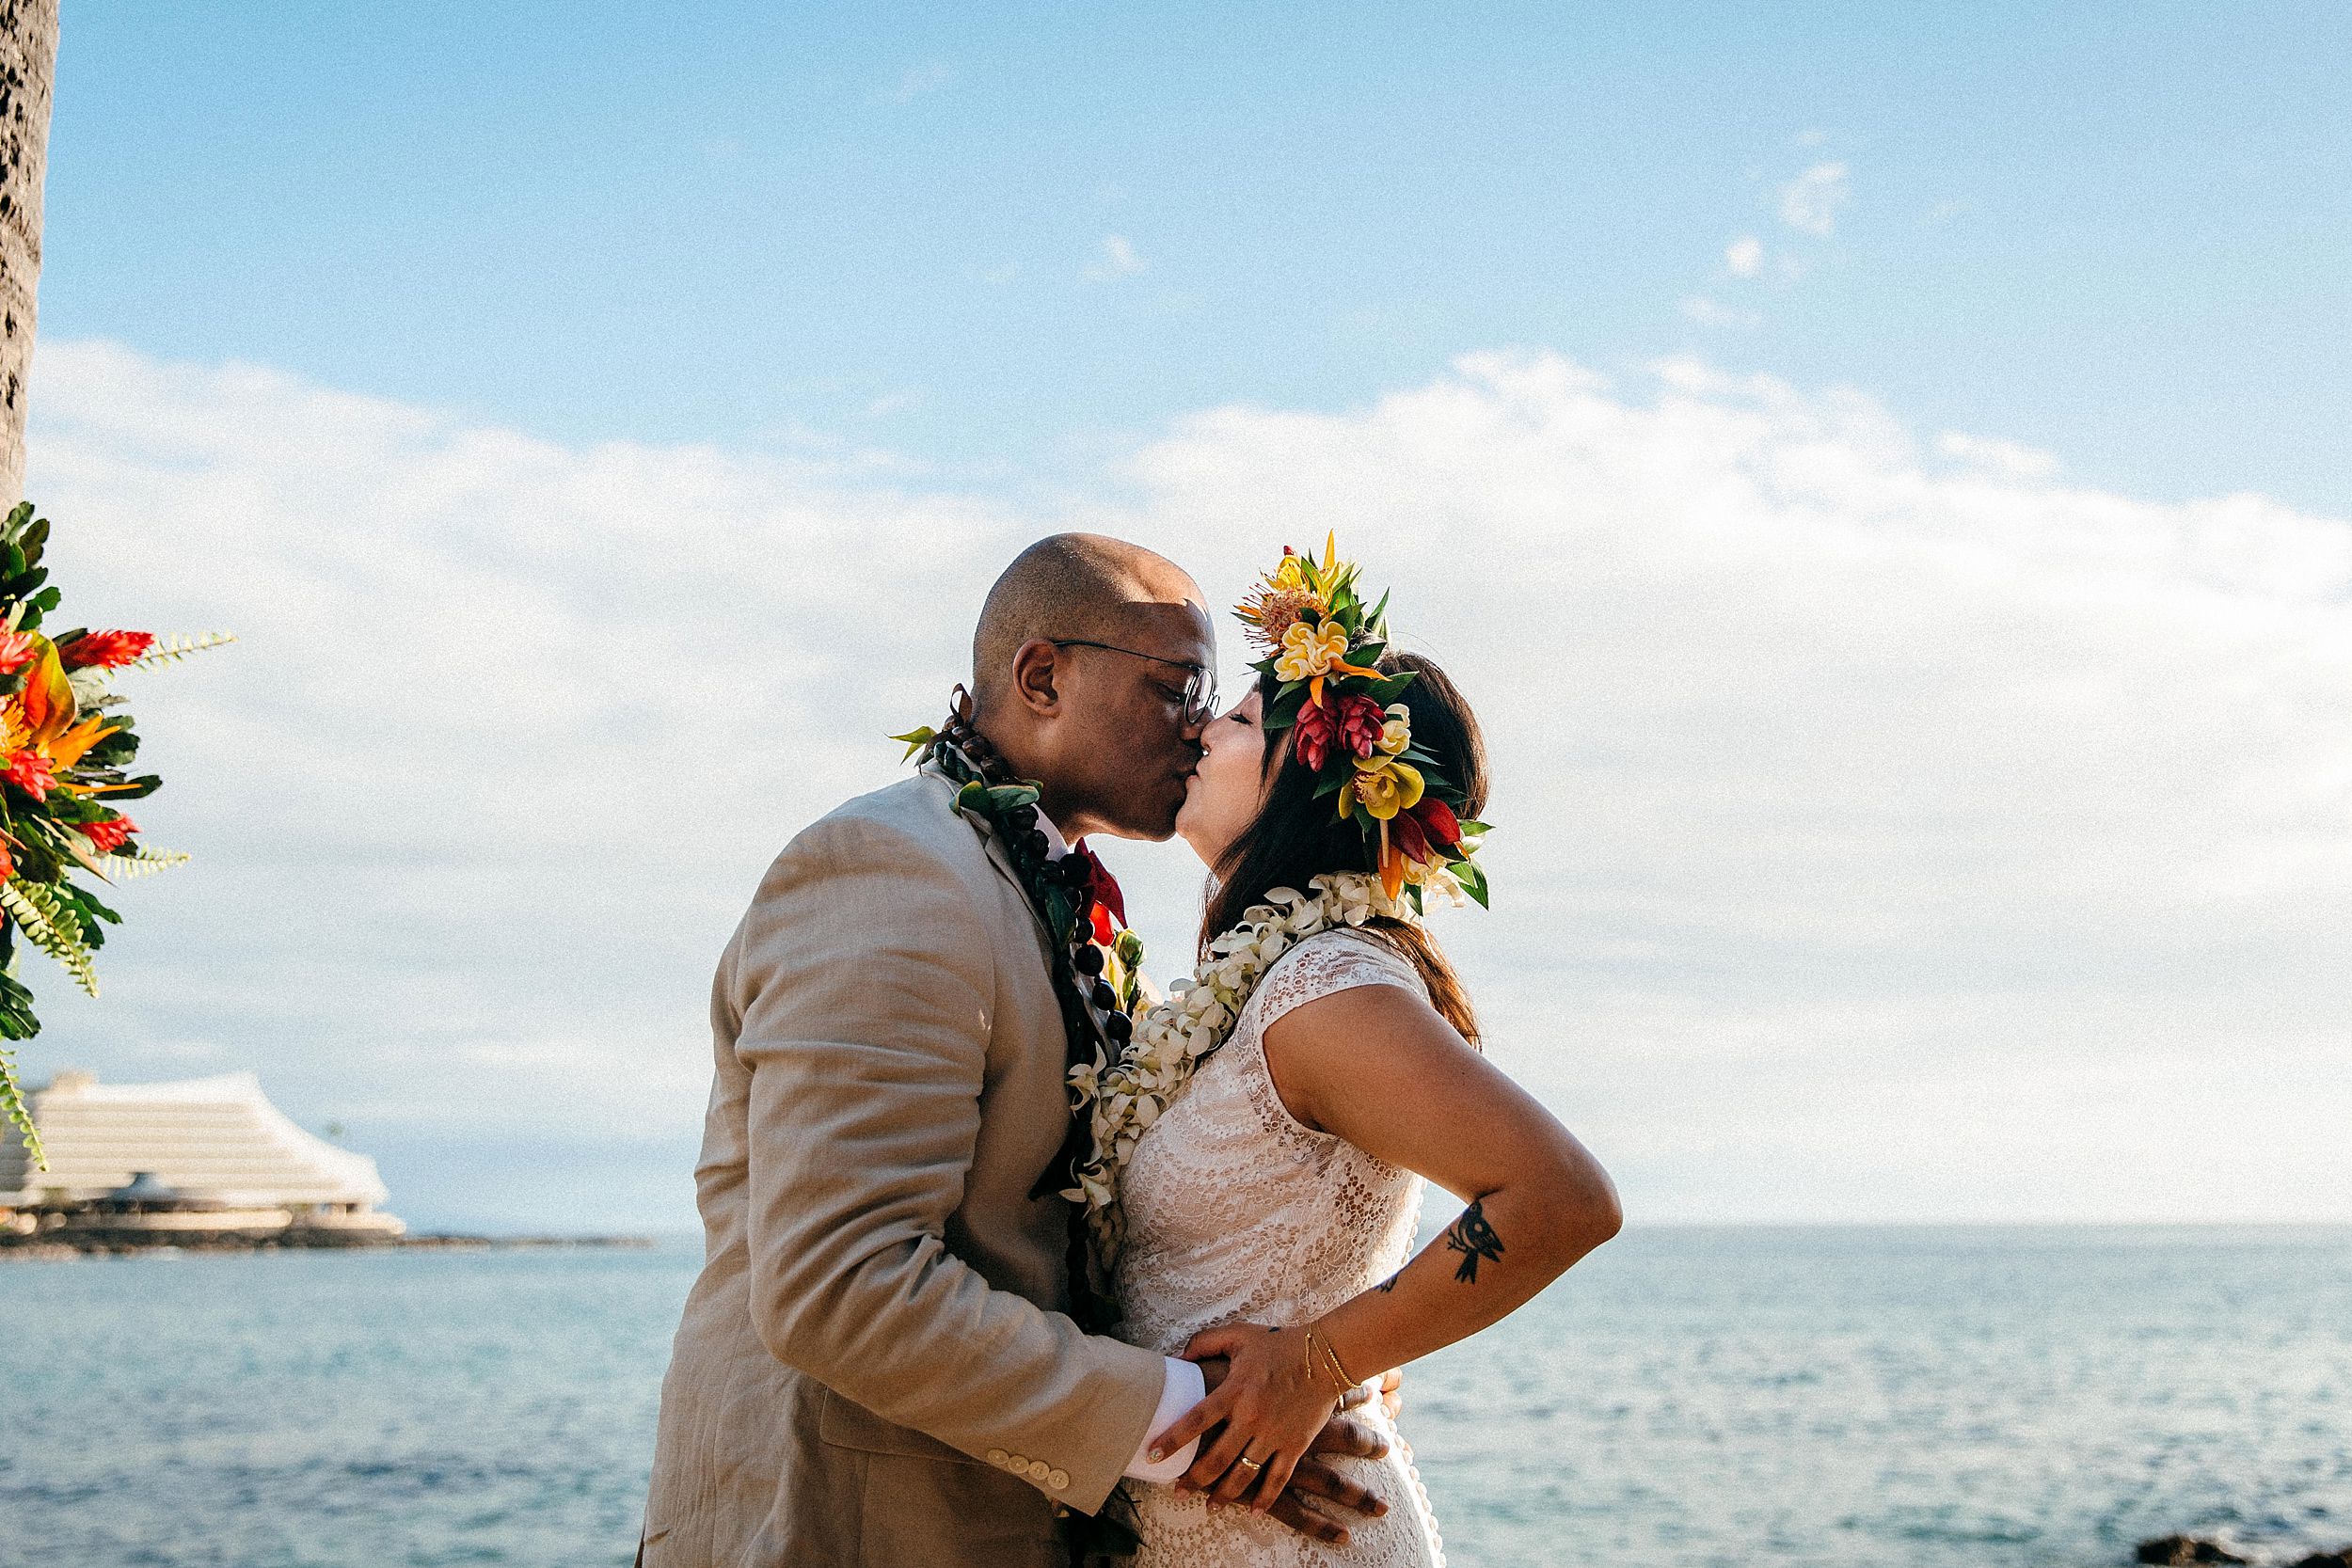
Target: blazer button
<point>997,1456</point>
<point>1016,1463</point>
<point>1058,1481</point>
<point>1039,1469</point>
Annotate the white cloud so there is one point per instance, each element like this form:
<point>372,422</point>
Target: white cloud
<point>2007,457</point>
<point>1880,837</point>
<point>1708,312</point>
<point>895,403</point>
<point>1118,260</point>
<point>928,77</point>
<point>1812,200</point>
<point>1744,256</point>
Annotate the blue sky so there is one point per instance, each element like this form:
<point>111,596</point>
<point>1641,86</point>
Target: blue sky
<point>1913,440</point>
<point>2120,232</point>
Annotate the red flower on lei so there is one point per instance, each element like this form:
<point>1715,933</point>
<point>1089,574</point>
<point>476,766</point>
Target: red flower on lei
<point>1105,903</point>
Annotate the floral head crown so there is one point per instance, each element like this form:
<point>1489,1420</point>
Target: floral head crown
<point>1322,643</point>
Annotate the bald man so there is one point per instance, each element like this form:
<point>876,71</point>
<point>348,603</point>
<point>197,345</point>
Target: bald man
<point>876,1367</point>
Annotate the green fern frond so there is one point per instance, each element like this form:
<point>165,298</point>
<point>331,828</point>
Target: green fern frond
<point>145,862</point>
<point>50,926</point>
<point>171,650</point>
<point>12,1106</point>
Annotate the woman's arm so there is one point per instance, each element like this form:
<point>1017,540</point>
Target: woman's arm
<point>1379,1066</point>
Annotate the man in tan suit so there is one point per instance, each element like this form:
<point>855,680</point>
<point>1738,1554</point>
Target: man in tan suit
<point>876,1367</point>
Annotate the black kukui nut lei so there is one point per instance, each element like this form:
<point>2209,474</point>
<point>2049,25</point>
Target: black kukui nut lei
<point>964,755</point>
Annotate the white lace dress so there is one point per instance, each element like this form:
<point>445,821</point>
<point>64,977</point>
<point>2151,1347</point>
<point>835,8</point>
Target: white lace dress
<point>1235,1210</point>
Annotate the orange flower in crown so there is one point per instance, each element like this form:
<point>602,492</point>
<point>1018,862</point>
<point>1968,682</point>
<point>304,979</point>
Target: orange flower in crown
<point>1321,645</point>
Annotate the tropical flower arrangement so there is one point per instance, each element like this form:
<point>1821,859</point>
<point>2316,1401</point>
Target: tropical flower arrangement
<point>1323,644</point>
<point>65,752</point>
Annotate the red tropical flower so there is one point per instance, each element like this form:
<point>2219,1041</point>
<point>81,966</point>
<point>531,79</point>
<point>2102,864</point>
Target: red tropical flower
<point>109,835</point>
<point>1359,721</point>
<point>16,648</point>
<point>1312,734</point>
<point>1105,901</point>
<point>31,772</point>
<point>109,650</point>
<point>1420,827</point>
<point>1438,820</point>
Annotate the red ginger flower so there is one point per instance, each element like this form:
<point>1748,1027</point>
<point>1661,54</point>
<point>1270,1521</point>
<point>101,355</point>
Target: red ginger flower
<point>1312,734</point>
<point>32,774</point>
<point>109,835</point>
<point>1359,721</point>
<point>16,650</point>
<point>109,650</point>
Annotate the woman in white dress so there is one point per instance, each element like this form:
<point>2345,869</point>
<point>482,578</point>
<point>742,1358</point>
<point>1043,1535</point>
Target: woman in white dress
<point>1264,1207</point>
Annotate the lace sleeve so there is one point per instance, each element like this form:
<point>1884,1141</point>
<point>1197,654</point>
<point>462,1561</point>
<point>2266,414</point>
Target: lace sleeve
<point>1332,962</point>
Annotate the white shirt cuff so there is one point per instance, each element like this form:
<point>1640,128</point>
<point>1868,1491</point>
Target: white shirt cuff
<point>1182,1388</point>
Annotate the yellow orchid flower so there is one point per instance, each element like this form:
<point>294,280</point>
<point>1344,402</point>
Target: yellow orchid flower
<point>1396,732</point>
<point>1385,786</point>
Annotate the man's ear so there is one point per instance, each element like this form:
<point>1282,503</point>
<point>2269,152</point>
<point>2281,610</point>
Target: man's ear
<point>1035,671</point>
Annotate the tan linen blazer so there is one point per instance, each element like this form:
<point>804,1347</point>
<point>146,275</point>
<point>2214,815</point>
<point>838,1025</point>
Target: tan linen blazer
<point>873,1370</point>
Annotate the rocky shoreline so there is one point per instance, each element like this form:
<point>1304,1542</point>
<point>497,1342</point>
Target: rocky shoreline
<point>55,1249</point>
<point>2184,1551</point>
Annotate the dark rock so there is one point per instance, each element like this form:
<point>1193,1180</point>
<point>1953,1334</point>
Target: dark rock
<point>2179,1551</point>
<point>2341,1558</point>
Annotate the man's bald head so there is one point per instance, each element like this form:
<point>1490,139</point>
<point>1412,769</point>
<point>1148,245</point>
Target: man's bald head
<point>1110,737</point>
<point>1075,585</point>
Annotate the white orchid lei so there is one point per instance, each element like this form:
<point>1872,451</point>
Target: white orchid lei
<point>1170,1040</point>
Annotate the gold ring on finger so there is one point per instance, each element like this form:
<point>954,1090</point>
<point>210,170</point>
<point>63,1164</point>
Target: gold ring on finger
<point>1255,1466</point>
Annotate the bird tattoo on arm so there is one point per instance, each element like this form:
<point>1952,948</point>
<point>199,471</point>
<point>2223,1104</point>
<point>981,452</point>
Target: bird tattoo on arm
<point>1473,1238</point>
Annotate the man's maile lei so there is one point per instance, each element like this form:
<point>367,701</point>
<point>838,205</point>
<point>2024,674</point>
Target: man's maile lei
<point>1348,726</point>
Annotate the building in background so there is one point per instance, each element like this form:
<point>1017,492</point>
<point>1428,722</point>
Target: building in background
<point>201,1159</point>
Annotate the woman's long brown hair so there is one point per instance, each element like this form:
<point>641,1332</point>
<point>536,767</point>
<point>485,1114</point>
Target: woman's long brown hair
<point>1297,837</point>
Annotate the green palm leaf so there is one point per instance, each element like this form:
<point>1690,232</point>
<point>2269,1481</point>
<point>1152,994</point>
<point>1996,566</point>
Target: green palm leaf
<point>171,650</point>
<point>49,926</point>
<point>13,1107</point>
<point>129,867</point>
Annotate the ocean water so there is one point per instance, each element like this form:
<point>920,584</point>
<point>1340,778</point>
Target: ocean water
<point>1932,1397</point>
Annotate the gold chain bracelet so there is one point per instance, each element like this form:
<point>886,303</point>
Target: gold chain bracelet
<point>1330,1366</point>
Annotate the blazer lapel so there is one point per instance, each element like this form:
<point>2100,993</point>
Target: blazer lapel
<point>994,848</point>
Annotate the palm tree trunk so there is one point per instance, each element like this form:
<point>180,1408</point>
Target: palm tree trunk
<point>28,59</point>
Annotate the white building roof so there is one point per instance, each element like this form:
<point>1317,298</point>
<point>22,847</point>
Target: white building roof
<point>210,1137</point>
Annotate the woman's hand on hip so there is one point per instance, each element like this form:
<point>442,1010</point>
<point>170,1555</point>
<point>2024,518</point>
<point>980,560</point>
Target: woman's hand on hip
<point>1272,1405</point>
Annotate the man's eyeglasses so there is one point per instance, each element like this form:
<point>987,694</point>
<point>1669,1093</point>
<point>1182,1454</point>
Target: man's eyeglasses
<point>1200,697</point>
